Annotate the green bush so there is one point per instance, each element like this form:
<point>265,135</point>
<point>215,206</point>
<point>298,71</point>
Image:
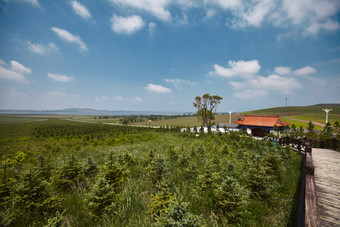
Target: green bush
<point>70,176</point>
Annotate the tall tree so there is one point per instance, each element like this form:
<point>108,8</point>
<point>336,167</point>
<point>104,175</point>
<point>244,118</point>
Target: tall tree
<point>206,108</point>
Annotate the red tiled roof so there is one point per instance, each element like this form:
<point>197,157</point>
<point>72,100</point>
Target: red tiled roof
<point>265,121</point>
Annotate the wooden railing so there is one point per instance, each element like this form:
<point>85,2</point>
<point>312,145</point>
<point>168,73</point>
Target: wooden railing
<point>308,208</point>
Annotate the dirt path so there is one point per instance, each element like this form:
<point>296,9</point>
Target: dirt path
<point>315,123</point>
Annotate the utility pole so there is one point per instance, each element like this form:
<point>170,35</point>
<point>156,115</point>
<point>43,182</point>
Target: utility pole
<point>326,110</point>
<point>230,117</point>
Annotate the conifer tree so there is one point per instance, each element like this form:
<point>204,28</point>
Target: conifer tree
<point>69,176</point>
<point>102,198</point>
<point>30,200</point>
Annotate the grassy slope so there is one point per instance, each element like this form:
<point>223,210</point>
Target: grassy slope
<point>307,113</point>
<point>138,189</point>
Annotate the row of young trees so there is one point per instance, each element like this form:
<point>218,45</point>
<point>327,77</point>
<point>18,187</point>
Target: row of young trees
<point>226,179</point>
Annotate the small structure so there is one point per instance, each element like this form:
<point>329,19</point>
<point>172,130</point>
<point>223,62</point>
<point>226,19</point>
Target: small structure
<point>229,126</point>
<point>260,124</point>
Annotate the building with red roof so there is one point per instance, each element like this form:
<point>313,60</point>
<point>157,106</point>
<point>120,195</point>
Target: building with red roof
<point>260,124</point>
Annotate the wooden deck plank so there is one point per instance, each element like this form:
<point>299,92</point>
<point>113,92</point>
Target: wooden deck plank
<point>327,184</point>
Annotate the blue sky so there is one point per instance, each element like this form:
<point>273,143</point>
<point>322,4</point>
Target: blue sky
<point>157,55</point>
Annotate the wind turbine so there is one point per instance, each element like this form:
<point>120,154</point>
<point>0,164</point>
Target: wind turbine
<point>326,110</point>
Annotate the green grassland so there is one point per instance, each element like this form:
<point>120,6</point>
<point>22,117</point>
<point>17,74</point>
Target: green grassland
<point>298,110</point>
<point>306,113</point>
<point>191,121</point>
<point>66,173</point>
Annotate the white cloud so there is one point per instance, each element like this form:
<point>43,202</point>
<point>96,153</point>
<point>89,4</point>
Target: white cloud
<point>59,78</point>
<point>118,98</point>
<point>305,71</point>
<point>255,14</point>
<point>67,36</point>
<point>151,28</point>
<point>40,48</point>
<point>81,10</point>
<point>210,13</point>
<point>274,83</point>
<point>237,85</point>
<point>56,93</point>
<point>14,93</point>
<point>179,82</point>
<point>157,88</point>
<point>138,99</point>
<point>7,74</point>
<point>126,25</point>
<point>156,8</point>
<point>308,17</point>
<point>19,68</point>
<point>281,70</point>
<point>230,4</point>
<point>239,68</point>
<point>32,2</point>
<point>2,62</point>
<point>250,93</point>
<point>311,15</point>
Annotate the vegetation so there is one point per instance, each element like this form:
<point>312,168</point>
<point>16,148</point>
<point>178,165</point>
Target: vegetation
<point>62,173</point>
<point>206,108</point>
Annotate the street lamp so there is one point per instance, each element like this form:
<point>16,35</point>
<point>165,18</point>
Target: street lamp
<point>326,110</point>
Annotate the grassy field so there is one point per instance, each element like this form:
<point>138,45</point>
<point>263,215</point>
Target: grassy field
<point>297,110</point>
<point>76,174</point>
<point>306,113</point>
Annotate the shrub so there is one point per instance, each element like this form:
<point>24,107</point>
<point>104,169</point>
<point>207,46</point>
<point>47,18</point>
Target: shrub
<point>157,170</point>
<point>102,198</point>
<point>229,198</point>
<point>90,167</point>
<point>114,173</point>
<point>69,176</point>
<point>30,201</point>
<point>167,210</point>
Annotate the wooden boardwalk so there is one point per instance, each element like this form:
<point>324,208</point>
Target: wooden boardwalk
<point>327,184</point>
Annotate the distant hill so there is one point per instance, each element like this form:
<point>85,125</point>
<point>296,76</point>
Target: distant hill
<point>89,111</point>
<point>297,110</point>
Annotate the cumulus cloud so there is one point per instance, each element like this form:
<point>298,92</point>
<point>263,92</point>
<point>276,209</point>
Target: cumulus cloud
<point>68,37</point>
<point>237,68</point>
<point>156,8</point>
<point>59,78</point>
<point>19,68</point>
<point>305,71</point>
<point>254,15</point>
<point>237,85</point>
<point>275,83</point>
<point>179,82</point>
<point>261,86</point>
<point>15,72</point>
<point>315,15</point>
<point>157,88</point>
<point>250,93</point>
<point>40,48</point>
<point>304,16</point>
<point>126,25</point>
<point>281,70</point>
<point>81,10</point>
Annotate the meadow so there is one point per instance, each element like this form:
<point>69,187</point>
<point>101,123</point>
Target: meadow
<point>65,173</point>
